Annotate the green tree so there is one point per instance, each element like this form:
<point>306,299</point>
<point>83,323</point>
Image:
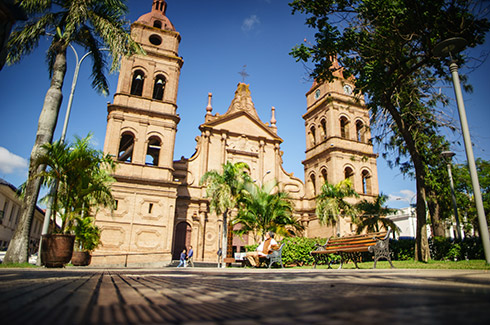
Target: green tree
<point>464,190</point>
<point>83,176</point>
<point>263,209</point>
<point>224,189</point>
<point>373,215</point>
<point>389,47</point>
<point>331,203</point>
<point>91,24</point>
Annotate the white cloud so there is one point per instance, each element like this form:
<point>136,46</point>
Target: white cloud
<point>9,162</point>
<point>402,196</point>
<point>250,23</point>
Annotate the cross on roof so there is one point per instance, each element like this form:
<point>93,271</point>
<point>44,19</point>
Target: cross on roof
<point>244,73</point>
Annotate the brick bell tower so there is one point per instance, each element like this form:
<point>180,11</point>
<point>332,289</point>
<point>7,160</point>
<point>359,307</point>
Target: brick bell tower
<point>141,128</point>
<point>338,143</point>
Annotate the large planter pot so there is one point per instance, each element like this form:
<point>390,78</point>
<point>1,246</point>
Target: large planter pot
<point>57,249</point>
<point>81,258</point>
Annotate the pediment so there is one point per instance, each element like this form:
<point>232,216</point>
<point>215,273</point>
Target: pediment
<point>242,123</point>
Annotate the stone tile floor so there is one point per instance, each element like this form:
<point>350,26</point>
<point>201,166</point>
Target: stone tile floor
<point>243,296</point>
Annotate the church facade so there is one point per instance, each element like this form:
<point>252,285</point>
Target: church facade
<point>161,206</point>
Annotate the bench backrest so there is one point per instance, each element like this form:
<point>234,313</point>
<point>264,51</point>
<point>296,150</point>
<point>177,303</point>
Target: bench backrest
<point>357,241</point>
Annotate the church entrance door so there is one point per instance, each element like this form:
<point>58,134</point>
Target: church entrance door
<point>182,239</point>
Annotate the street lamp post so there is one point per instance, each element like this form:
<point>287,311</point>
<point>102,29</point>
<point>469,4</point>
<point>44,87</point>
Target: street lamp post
<point>448,48</point>
<point>449,155</point>
<point>54,189</point>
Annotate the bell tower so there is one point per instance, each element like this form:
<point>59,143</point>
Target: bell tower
<point>141,129</point>
<point>338,139</point>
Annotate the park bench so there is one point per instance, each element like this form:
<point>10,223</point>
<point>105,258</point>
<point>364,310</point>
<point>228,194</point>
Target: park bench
<point>351,247</point>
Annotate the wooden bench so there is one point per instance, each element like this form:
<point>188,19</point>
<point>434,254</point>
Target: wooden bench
<point>351,247</point>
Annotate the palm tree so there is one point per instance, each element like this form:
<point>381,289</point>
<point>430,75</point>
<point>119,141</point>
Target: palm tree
<point>261,211</point>
<point>224,190</point>
<point>374,214</point>
<point>330,203</point>
<point>90,24</point>
<point>83,176</point>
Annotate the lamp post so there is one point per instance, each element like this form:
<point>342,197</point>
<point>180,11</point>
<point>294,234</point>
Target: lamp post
<point>54,189</point>
<point>449,155</point>
<point>446,48</point>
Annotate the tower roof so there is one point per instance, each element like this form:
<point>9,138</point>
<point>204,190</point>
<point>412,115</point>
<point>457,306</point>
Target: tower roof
<point>156,17</point>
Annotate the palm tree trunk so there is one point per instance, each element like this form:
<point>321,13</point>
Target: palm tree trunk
<point>18,249</point>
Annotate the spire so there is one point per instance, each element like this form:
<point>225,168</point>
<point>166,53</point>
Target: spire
<point>209,108</point>
<point>159,5</point>
<point>273,118</point>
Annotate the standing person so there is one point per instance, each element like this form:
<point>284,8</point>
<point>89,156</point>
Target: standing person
<point>190,256</point>
<point>265,248</point>
<point>182,259</point>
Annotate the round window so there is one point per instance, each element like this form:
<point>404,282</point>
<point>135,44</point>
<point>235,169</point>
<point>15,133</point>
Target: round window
<point>155,40</point>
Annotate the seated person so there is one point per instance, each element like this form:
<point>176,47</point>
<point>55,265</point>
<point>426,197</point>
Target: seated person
<point>265,248</point>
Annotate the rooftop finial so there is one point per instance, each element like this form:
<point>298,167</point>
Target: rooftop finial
<point>273,118</point>
<point>209,108</point>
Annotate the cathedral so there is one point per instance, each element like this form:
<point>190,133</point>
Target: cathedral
<point>160,205</point>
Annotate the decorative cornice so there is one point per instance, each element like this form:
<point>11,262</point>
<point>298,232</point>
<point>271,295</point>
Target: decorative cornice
<point>113,107</point>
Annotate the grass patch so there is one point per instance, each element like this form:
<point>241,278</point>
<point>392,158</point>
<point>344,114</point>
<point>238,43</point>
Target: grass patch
<point>18,265</point>
<point>411,264</point>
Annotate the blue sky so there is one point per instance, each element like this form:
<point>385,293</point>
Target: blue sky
<point>219,38</point>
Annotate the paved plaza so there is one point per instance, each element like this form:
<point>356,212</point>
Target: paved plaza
<point>243,296</point>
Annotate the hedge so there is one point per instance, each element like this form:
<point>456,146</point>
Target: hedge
<point>297,249</point>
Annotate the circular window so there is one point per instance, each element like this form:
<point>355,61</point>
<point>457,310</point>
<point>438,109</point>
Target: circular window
<point>155,40</point>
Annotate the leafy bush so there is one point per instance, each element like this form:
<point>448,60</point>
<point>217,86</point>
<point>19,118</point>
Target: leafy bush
<point>402,249</point>
<point>452,249</point>
<point>472,248</point>
<point>297,250</point>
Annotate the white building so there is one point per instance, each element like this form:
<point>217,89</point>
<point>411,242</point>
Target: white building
<point>10,210</point>
<point>406,220</point>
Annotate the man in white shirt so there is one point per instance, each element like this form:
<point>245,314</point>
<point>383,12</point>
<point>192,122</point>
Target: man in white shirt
<point>265,248</point>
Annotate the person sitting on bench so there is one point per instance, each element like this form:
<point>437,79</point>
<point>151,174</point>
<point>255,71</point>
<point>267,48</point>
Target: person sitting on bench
<point>265,248</point>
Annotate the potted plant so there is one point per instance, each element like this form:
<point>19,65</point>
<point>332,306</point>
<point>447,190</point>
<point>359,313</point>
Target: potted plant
<point>82,178</point>
<point>87,238</point>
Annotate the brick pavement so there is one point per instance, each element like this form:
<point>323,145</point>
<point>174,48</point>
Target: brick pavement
<point>243,296</point>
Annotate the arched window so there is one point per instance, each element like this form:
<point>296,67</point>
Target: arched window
<point>344,128</point>
<point>126,147</point>
<point>360,131</point>
<point>366,182</point>
<point>324,176</point>
<point>153,151</point>
<point>324,128</point>
<point>348,173</point>
<point>313,184</point>
<point>313,136</point>
<point>157,24</point>
<point>137,83</point>
<point>159,87</point>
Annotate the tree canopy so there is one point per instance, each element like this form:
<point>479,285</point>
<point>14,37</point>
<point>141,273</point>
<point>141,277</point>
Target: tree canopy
<point>388,46</point>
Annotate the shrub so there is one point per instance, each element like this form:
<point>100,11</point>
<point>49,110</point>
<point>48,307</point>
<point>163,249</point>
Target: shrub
<point>402,249</point>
